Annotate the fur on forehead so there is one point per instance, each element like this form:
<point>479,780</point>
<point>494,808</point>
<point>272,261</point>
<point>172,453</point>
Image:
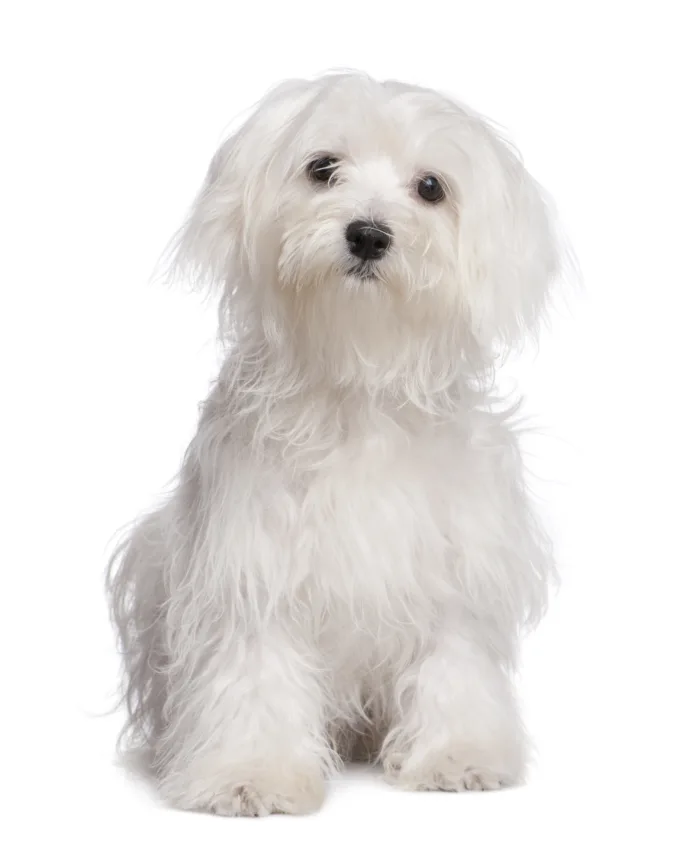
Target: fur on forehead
<point>504,252</point>
<point>358,118</point>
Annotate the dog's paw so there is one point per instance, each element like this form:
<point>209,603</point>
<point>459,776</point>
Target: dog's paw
<point>249,801</point>
<point>254,799</point>
<point>470,779</point>
<point>447,777</point>
<point>242,801</point>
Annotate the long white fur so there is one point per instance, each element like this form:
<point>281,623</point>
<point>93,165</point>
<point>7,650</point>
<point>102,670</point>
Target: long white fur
<point>350,553</point>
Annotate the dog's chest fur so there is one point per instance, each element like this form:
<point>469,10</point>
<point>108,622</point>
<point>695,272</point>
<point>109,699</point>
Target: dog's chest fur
<point>361,518</point>
<point>372,521</point>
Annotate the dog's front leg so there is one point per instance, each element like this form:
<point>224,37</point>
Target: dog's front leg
<point>251,740</point>
<point>456,726</point>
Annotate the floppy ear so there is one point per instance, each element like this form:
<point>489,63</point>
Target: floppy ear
<point>202,251</point>
<point>511,241</point>
<point>216,246</point>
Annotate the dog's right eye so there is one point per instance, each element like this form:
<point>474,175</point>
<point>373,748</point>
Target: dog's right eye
<point>321,170</point>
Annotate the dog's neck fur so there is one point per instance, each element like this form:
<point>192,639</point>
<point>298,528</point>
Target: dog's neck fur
<point>299,399</point>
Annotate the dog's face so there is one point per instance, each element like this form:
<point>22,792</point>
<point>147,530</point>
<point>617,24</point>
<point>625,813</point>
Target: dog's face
<point>370,200</point>
<point>375,212</point>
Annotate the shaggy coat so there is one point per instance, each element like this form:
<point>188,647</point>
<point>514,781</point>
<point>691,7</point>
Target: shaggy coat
<point>349,555</point>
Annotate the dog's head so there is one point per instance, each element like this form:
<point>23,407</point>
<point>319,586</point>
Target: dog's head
<point>367,221</point>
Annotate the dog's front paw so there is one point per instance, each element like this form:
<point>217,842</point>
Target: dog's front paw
<point>251,800</point>
<point>273,793</point>
<point>449,775</point>
<point>469,779</point>
<point>242,801</point>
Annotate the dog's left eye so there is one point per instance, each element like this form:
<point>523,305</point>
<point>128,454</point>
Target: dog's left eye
<point>430,189</point>
<point>321,170</point>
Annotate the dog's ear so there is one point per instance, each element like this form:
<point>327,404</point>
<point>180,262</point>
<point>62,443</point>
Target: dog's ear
<point>215,248</point>
<point>512,247</point>
<point>201,252</point>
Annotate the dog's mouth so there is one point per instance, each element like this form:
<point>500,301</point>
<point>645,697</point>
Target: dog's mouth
<point>363,271</point>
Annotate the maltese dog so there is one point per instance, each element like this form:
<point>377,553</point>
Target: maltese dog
<point>349,556</point>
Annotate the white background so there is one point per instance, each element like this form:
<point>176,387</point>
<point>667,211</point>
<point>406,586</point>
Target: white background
<point>110,112</point>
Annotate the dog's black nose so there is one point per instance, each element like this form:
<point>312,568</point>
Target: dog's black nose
<point>368,240</point>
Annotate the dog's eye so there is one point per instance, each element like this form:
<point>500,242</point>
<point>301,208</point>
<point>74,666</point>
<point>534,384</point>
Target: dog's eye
<point>323,169</point>
<point>430,189</point>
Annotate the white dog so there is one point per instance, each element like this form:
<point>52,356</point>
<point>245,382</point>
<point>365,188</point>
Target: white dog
<point>349,556</point>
